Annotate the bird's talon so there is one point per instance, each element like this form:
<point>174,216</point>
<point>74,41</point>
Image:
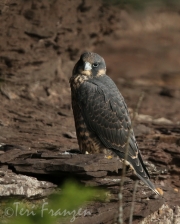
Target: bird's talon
<point>108,157</point>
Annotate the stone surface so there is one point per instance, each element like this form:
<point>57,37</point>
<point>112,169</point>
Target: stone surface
<point>164,215</point>
<point>12,184</point>
<point>91,170</point>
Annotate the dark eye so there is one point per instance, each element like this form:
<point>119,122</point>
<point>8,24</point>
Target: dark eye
<point>95,65</point>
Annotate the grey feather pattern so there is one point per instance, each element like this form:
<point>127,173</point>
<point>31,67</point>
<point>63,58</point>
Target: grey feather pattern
<point>105,114</point>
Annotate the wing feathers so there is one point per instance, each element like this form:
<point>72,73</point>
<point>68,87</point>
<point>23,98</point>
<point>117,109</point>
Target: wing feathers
<point>105,114</point>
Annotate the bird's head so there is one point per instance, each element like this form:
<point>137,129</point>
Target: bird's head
<point>90,65</point>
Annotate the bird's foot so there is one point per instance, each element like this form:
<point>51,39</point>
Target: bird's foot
<point>108,157</point>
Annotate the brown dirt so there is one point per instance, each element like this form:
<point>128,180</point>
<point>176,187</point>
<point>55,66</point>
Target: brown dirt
<point>39,44</point>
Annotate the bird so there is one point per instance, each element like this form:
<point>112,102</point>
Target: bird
<point>101,115</point>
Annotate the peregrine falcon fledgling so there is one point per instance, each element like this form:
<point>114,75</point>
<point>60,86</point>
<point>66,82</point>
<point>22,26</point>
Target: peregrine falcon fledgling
<point>101,115</point>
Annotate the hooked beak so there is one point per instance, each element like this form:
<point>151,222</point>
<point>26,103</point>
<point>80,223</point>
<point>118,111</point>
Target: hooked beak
<point>87,66</point>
